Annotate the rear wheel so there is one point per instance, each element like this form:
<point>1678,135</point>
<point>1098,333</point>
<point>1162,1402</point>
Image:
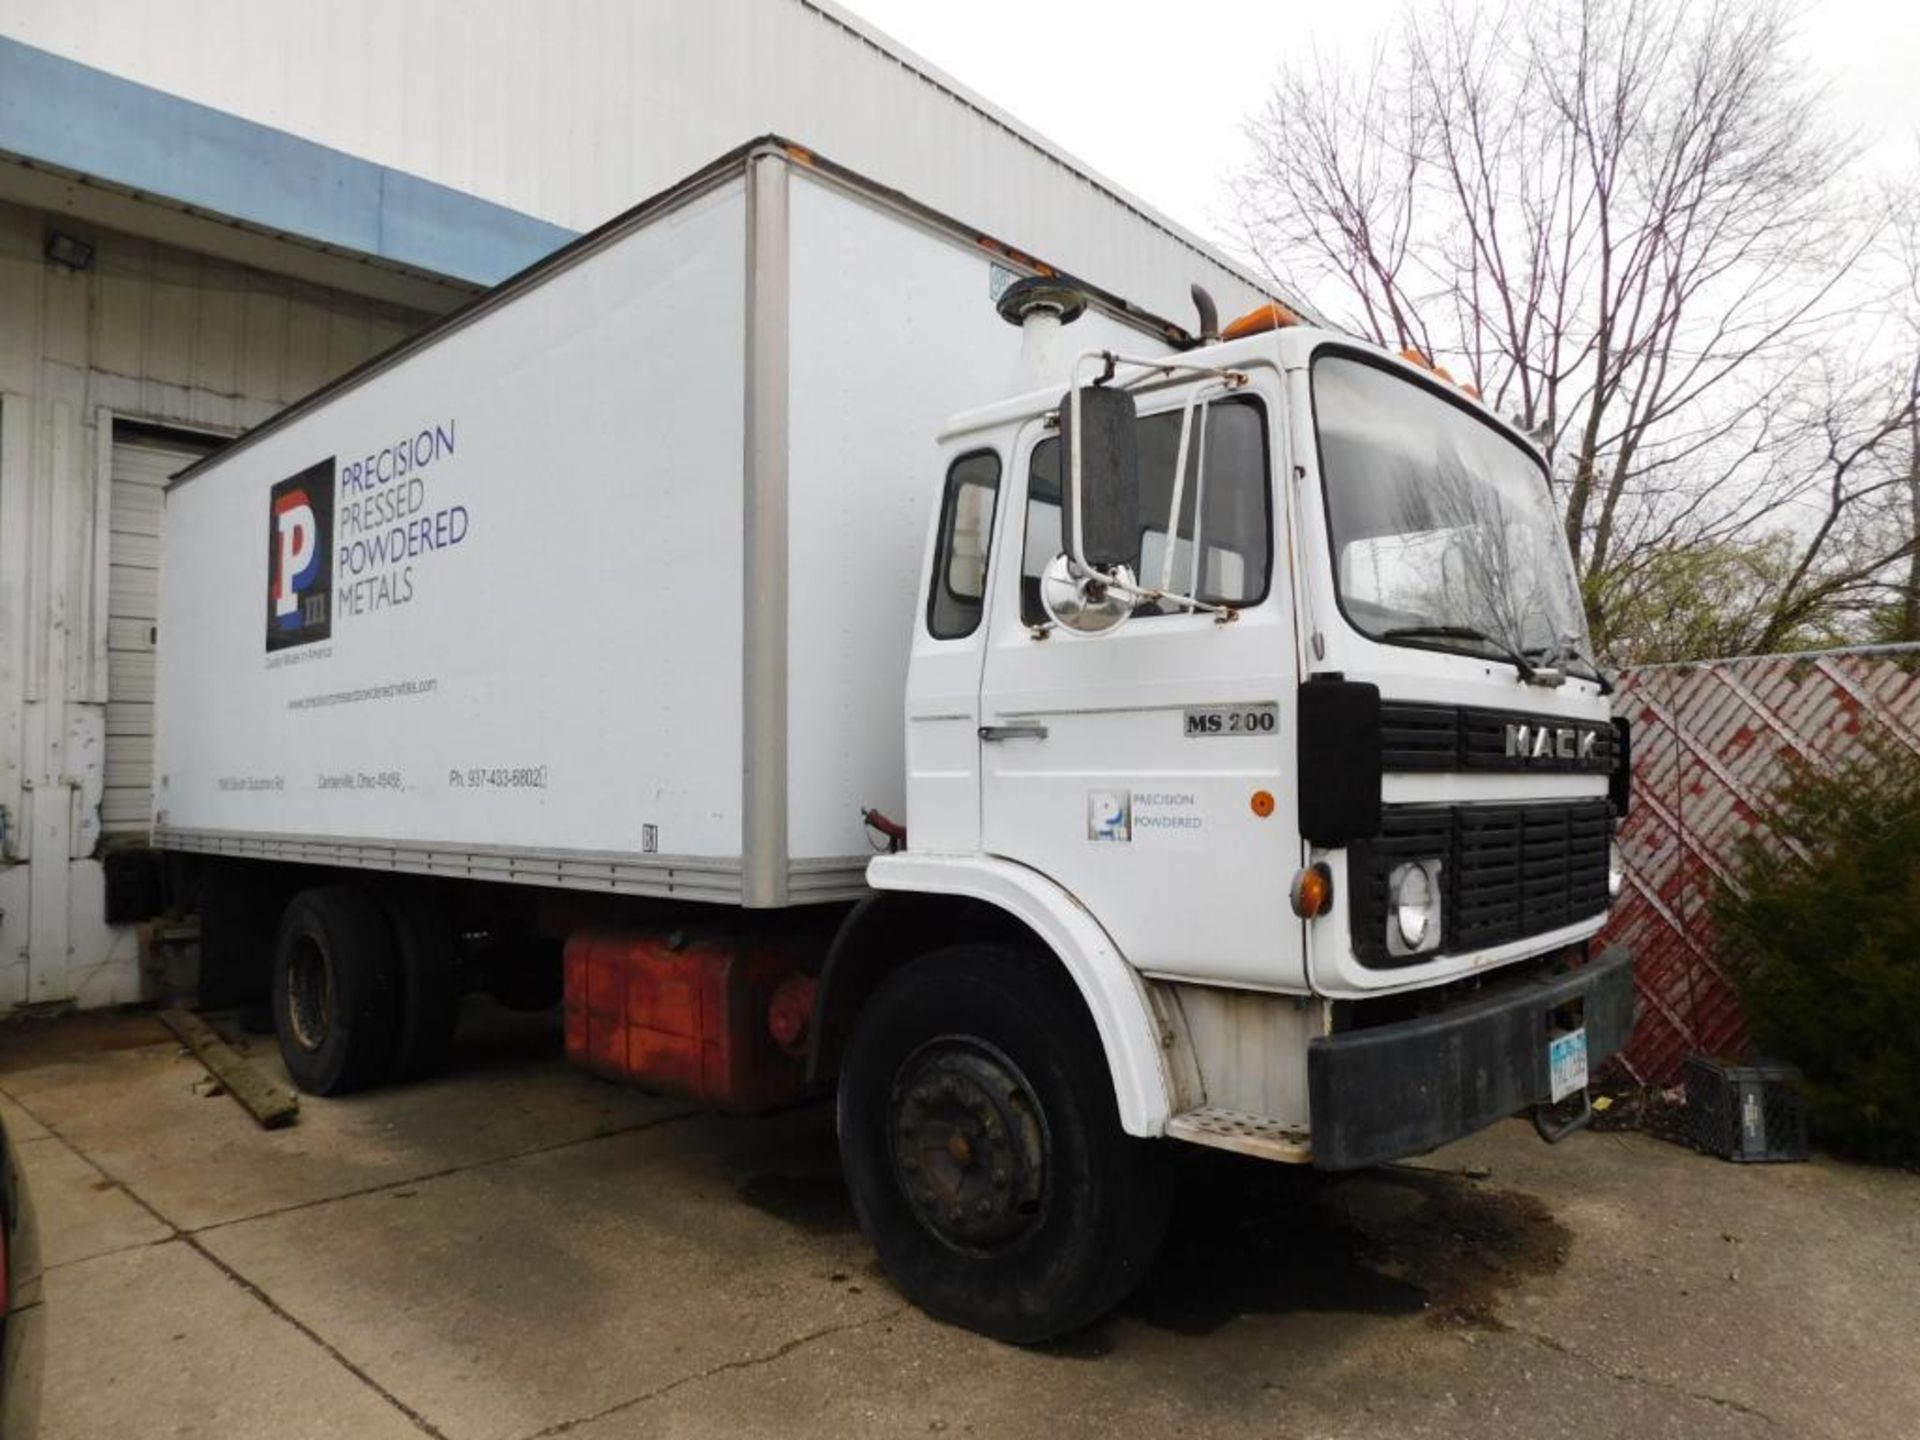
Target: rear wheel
<point>984,1152</point>
<point>333,990</point>
<point>427,972</point>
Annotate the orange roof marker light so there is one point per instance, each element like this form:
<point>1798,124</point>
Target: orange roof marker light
<point>1273,316</point>
<point>1416,357</point>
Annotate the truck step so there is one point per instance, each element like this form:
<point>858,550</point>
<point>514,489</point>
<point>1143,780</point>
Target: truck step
<point>1254,1135</point>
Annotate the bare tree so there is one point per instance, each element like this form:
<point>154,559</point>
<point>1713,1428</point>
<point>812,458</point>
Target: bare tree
<point>1909,626</point>
<point>1906,230</point>
<point>1861,501</point>
<point>1625,222</point>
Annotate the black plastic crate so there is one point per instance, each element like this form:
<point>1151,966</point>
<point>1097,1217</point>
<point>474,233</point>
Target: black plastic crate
<point>1746,1112</point>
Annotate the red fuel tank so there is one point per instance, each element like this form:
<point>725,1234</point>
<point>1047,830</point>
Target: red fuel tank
<point>684,1012</point>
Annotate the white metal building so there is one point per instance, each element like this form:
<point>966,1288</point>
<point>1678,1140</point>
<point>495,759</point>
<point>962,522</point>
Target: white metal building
<point>210,207</point>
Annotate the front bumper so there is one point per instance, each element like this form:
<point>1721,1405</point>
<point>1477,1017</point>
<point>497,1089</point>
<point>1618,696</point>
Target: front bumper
<point>1396,1090</point>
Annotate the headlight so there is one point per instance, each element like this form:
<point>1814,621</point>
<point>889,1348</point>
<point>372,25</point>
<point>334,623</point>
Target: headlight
<point>1616,870</point>
<point>1414,892</point>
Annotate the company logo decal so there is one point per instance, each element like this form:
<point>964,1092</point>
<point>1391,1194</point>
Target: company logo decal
<point>395,515</point>
<point>299,575</point>
<point>1110,815</point>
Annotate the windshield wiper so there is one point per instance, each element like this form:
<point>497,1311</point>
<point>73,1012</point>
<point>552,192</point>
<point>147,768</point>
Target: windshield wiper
<point>1462,632</point>
<point>1557,654</point>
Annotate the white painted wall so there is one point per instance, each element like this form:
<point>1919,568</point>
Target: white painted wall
<point>151,335</point>
<point>574,110</point>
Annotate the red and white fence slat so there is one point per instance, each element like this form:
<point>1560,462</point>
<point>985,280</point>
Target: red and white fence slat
<point>1709,742</point>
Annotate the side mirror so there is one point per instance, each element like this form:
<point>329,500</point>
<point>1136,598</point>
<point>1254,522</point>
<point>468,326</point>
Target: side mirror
<point>1100,450</point>
<point>1082,600</point>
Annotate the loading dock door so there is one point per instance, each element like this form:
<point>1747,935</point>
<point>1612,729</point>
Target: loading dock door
<point>142,461</point>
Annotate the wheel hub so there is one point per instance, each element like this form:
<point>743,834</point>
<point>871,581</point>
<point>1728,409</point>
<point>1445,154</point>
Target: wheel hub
<point>969,1143</point>
<point>309,995</point>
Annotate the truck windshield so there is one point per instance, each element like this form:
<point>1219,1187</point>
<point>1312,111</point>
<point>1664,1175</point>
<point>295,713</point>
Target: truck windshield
<point>1441,526</point>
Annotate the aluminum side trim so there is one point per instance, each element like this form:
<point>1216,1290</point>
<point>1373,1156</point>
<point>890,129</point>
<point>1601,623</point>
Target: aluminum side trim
<point>763,689</point>
<point>690,877</point>
<point>706,878</point>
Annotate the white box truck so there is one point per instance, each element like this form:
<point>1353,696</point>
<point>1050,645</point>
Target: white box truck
<point>595,641</point>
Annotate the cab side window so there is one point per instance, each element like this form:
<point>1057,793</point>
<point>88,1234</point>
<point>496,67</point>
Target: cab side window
<point>957,596</point>
<point>1223,540</point>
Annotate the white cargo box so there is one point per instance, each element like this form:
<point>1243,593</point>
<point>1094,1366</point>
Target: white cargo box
<point>608,580</point>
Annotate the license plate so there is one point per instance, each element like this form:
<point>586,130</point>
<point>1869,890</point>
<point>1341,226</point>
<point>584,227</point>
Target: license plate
<point>1567,1063</point>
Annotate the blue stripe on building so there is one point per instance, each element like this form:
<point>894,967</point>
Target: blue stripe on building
<point>61,113</point>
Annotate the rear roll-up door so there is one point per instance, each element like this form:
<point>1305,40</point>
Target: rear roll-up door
<point>141,467</point>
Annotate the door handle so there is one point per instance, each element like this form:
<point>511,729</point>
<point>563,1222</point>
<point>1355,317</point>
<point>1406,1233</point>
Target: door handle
<point>1025,730</point>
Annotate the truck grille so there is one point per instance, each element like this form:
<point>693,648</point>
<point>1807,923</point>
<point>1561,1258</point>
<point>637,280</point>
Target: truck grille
<point>1465,737</point>
<point>1507,871</point>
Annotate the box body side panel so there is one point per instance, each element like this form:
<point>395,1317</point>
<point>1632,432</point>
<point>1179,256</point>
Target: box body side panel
<point>893,330</point>
<point>493,599</point>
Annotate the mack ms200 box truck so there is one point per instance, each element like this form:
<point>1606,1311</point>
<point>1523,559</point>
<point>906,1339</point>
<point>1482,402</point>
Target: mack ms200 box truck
<point>1195,739</point>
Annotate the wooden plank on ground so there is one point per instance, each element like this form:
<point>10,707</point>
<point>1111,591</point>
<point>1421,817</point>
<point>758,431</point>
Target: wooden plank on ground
<point>259,1096</point>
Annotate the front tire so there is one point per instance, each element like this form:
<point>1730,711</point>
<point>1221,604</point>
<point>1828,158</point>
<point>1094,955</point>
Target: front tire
<point>983,1148</point>
<point>333,990</point>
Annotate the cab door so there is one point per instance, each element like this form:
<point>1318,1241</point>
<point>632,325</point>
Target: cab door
<point>949,636</point>
<point>1145,769</point>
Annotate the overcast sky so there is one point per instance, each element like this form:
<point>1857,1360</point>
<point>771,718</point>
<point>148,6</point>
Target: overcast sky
<point>1151,94</point>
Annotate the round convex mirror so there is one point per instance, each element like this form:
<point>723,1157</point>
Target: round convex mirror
<point>1082,602</point>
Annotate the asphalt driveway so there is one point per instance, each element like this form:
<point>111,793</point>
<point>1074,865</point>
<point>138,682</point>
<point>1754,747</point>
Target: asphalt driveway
<point>516,1250</point>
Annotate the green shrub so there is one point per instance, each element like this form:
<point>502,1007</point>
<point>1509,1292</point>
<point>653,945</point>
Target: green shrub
<point>1826,945</point>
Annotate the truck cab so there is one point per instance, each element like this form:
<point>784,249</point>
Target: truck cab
<point>1272,717</point>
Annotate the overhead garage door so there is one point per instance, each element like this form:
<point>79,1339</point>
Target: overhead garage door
<point>141,464</point>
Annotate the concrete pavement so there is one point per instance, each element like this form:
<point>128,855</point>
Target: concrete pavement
<point>515,1250</point>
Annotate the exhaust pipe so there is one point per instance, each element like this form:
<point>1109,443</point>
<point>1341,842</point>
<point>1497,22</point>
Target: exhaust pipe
<point>1209,314</point>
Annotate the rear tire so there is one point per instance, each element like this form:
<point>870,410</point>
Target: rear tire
<point>983,1148</point>
<point>427,968</point>
<point>333,990</point>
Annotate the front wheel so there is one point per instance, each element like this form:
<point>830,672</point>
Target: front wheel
<point>984,1152</point>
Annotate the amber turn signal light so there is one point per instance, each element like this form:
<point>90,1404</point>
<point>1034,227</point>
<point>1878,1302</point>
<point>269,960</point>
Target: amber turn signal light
<point>1257,322</point>
<point>1312,892</point>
